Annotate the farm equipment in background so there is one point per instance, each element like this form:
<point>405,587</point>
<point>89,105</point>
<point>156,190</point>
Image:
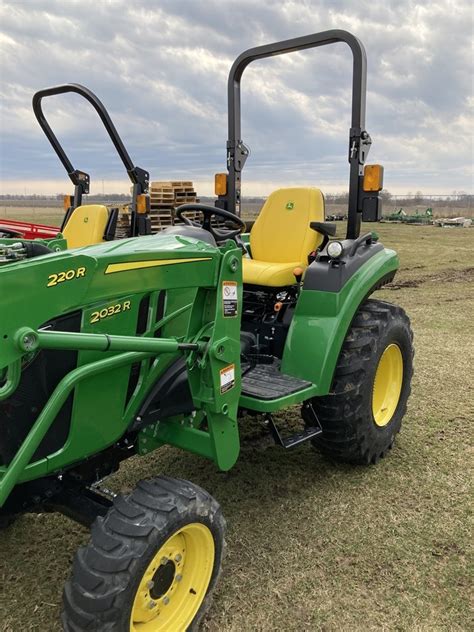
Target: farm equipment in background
<point>419,218</point>
<point>401,217</point>
<point>27,230</point>
<point>86,224</point>
<point>337,217</point>
<point>117,349</point>
<point>453,222</point>
<point>396,217</point>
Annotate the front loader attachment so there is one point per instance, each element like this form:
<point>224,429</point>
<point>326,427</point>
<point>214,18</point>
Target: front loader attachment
<point>97,339</point>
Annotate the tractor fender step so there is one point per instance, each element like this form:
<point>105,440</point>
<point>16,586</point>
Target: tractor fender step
<point>310,432</point>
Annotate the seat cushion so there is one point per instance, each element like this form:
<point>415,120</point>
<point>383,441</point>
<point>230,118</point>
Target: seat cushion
<point>86,225</point>
<point>281,238</point>
<point>281,232</point>
<point>269,274</point>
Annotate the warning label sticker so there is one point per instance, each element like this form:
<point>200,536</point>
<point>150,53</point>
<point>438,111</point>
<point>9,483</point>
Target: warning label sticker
<point>227,375</point>
<point>229,298</point>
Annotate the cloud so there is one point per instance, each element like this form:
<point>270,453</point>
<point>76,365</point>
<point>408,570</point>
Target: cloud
<point>161,67</point>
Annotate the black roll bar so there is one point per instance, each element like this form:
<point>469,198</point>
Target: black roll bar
<point>359,139</point>
<point>139,177</point>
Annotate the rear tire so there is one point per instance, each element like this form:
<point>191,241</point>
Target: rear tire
<point>354,429</point>
<point>152,560</point>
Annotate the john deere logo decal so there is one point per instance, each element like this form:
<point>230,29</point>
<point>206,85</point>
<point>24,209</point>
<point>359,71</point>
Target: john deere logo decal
<point>290,205</point>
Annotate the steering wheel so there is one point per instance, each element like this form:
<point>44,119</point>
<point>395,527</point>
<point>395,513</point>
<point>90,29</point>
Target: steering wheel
<point>208,212</point>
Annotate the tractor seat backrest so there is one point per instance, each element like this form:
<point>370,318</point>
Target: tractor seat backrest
<point>281,233</point>
<point>86,225</point>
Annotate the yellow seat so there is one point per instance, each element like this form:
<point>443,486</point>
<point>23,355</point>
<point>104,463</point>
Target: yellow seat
<point>86,225</point>
<point>281,239</point>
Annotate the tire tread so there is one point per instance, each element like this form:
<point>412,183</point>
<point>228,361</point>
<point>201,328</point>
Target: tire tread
<point>347,435</point>
<point>96,595</point>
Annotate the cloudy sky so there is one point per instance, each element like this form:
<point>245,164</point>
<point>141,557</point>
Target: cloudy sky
<point>161,66</point>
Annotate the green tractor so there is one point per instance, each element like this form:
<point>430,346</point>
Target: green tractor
<point>87,224</point>
<point>119,348</point>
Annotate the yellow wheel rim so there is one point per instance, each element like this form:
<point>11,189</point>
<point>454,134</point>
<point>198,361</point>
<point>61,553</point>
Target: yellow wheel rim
<point>175,583</point>
<point>387,385</point>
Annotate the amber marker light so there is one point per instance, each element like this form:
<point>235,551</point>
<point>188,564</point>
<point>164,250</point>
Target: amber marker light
<point>143,203</point>
<point>220,184</point>
<point>373,178</point>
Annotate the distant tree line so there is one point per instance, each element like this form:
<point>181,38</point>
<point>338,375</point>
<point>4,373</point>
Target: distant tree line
<point>59,196</point>
<point>454,199</point>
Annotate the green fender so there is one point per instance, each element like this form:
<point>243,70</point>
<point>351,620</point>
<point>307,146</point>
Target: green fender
<point>322,319</point>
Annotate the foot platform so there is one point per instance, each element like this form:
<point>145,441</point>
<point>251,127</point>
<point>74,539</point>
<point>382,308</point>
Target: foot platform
<point>265,381</point>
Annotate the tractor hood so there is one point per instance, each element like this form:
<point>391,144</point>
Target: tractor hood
<point>43,287</point>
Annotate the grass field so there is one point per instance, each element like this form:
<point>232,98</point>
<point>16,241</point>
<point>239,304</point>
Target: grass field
<point>43,212</point>
<point>314,545</point>
<point>51,215</point>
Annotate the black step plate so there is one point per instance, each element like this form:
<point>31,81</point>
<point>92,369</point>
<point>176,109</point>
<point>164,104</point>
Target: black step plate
<point>308,433</point>
<point>266,382</point>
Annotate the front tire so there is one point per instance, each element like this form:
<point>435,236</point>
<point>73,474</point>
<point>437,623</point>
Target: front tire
<point>363,412</point>
<point>151,563</point>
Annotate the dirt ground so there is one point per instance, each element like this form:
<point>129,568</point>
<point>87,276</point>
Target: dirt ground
<point>314,545</point>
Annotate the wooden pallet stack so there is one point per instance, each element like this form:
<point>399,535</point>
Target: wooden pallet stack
<point>123,222</point>
<point>165,197</point>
